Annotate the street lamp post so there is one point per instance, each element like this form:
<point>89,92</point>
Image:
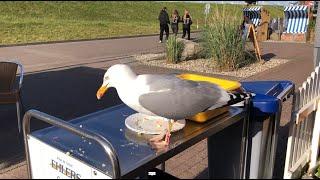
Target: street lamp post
<point>206,11</point>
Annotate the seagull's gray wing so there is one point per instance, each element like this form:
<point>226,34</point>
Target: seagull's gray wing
<point>174,98</point>
<point>159,82</point>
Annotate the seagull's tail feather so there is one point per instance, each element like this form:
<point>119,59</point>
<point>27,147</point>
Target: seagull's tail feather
<point>237,97</point>
<point>228,99</point>
<point>223,100</point>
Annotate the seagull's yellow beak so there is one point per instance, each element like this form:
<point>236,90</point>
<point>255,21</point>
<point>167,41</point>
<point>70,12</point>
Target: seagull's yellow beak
<point>102,90</point>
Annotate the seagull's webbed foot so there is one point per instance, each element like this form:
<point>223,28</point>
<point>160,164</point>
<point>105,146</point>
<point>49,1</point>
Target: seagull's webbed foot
<point>158,143</point>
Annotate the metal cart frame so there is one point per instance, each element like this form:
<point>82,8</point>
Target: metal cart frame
<point>110,152</point>
<point>103,142</point>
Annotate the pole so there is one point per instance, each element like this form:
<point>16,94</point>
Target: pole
<point>316,57</point>
<point>205,22</point>
<point>197,25</point>
<point>279,31</point>
<point>206,11</point>
<point>175,50</point>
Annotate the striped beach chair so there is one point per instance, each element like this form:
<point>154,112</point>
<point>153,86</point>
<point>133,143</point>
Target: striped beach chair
<point>296,19</point>
<point>254,14</point>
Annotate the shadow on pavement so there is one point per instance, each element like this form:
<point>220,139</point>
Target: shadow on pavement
<point>71,93</point>
<point>281,152</point>
<point>66,94</point>
<point>268,56</point>
<point>280,155</point>
<point>203,175</point>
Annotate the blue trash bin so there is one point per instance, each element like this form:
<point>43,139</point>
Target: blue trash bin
<point>264,124</point>
<point>262,133</point>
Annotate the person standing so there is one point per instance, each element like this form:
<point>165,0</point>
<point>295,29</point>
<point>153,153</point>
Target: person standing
<point>164,21</point>
<point>245,28</point>
<point>187,21</point>
<point>175,22</point>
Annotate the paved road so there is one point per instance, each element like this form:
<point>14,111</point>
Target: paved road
<point>105,52</point>
<point>41,57</point>
<point>69,91</point>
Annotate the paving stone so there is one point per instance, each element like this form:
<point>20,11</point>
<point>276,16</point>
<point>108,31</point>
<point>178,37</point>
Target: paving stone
<point>196,169</point>
<point>186,175</point>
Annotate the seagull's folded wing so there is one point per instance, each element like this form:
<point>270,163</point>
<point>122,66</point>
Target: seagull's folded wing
<point>174,98</point>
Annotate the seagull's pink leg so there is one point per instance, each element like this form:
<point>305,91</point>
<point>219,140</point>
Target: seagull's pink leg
<point>158,143</point>
<point>157,138</point>
<point>168,134</point>
<point>167,138</point>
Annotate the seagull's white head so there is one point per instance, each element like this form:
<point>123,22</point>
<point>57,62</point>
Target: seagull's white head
<point>115,75</point>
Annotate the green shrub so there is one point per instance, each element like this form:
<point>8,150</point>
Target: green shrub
<point>174,49</point>
<point>317,174</point>
<point>222,41</point>
<point>312,24</point>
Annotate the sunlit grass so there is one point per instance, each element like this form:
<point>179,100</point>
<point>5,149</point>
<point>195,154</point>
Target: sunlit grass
<point>42,21</point>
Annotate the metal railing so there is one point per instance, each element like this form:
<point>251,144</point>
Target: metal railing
<point>104,143</point>
<point>303,140</point>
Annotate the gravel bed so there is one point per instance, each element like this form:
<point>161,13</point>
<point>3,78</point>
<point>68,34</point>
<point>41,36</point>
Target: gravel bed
<point>207,66</point>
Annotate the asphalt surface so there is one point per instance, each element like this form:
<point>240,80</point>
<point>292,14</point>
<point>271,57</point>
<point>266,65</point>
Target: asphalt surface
<point>62,78</point>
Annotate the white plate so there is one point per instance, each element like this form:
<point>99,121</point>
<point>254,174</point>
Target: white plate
<point>144,124</point>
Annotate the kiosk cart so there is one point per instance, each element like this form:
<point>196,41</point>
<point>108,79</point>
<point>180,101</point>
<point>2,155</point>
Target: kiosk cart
<point>99,145</point>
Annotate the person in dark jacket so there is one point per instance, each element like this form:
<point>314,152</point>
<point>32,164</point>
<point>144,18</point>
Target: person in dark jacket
<point>187,21</point>
<point>175,19</point>
<point>245,27</point>
<point>164,21</point>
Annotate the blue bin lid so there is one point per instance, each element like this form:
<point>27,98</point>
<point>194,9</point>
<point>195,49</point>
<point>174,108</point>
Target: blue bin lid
<point>271,88</point>
<point>266,99</point>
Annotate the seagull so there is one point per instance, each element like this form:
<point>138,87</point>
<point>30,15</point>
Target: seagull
<point>164,95</point>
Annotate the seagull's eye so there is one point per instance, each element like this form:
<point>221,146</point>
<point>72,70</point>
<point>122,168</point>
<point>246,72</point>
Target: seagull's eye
<point>106,78</point>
